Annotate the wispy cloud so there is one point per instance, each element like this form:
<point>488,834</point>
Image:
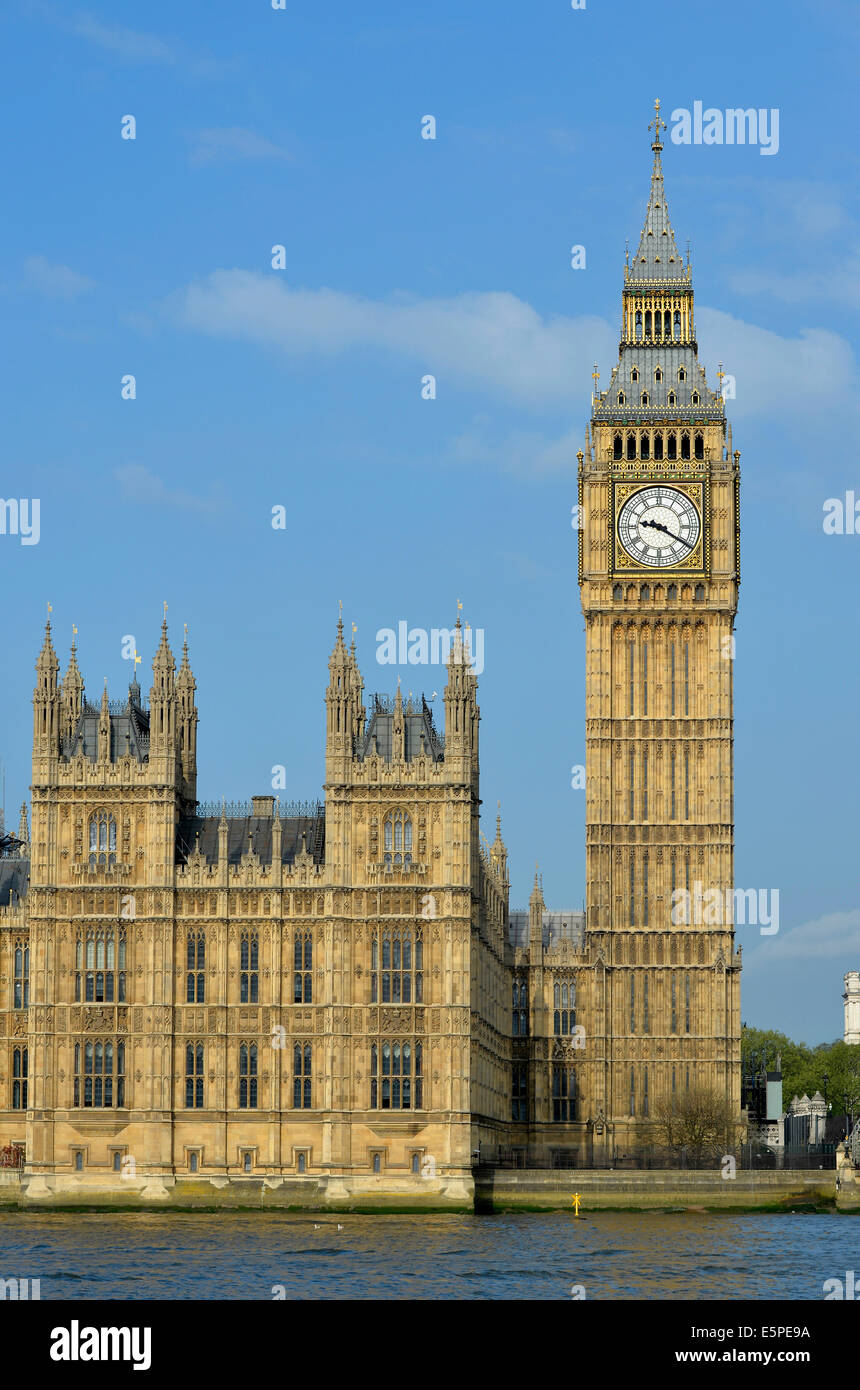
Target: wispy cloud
<point>495,341</point>
<point>835,935</point>
<point>231,143</point>
<point>126,43</point>
<point>139,484</point>
<point>55,280</point>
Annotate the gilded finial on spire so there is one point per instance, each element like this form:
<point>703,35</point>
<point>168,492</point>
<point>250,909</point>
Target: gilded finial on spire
<point>656,143</point>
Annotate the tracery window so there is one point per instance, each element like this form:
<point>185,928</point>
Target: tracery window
<point>302,1076</point>
<point>247,1076</point>
<point>397,840</point>
<point>564,1006</point>
<point>519,1093</point>
<point>563,1093</point>
<point>100,967</point>
<point>99,1080</point>
<point>397,966</point>
<point>249,959</point>
<point>521,1006</point>
<point>102,838</point>
<point>21,982</point>
<point>303,960</point>
<point>20,1068</point>
<point>396,1081</point>
<point>194,1076</point>
<point>195,992</point>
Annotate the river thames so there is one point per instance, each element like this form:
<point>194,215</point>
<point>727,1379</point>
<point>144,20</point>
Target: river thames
<point>552,1255</point>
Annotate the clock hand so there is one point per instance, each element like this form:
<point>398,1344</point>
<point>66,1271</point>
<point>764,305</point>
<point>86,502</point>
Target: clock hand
<point>658,526</point>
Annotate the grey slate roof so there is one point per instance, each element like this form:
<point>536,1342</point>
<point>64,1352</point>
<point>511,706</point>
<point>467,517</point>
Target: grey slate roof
<point>556,927</point>
<point>646,360</point>
<point>14,879</point>
<point>417,725</point>
<point>244,832</point>
<point>657,257</point>
<point>127,721</point>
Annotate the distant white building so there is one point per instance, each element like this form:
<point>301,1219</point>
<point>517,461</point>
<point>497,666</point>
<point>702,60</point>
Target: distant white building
<point>852,1007</point>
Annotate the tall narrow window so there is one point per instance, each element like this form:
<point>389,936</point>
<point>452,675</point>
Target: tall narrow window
<point>673,438</point>
<point>194,1076</point>
<point>302,1076</point>
<point>249,966</point>
<point>303,959</point>
<point>21,992</point>
<point>632,1091</point>
<point>686,678</point>
<point>644,783</point>
<point>671,677</point>
<point>632,895</point>
<point>686,1003</point>
<point>521,1007</point>
<point>618,447</point>
<point>195,992</point>
<point>645,675</point>
<point>631,658</point>
<point>563,1093</point>
<point>519,1093</point>
<point>247,1076</point>
<point>674,1077</point>
<point>20,1068</point>
<point>645,1091</point>
<point>645,889</point>
<point>630,783</point>
<point>564,1012</point>
<point>672,793</point>
<point>674,1024</point>
<point>632,1002</point>
<point>686,784</point>
<point>658,446</point>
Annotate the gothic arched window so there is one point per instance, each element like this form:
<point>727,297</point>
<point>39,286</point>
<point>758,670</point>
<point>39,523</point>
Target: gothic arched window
<point>617,446</point>
<point>700,446</point>
<point>397,839</point>
<point>102,838</point>
<point>21,987</point>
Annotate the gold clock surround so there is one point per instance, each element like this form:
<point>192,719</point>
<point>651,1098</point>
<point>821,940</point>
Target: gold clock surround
<point>697,562</point>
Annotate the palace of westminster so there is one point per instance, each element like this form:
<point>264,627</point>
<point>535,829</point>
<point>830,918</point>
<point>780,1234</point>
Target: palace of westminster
<point>339,991</point>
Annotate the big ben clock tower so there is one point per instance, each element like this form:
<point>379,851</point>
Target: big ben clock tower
<point>659,575</point>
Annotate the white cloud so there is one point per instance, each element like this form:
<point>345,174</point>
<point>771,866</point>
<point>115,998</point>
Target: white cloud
<point>491,339</point>
<point>141,485</point>
<point>127,43</point>
<point>232,142</point>
<point>55,280</point>
<point>496,341</point>
<point>835,935</point>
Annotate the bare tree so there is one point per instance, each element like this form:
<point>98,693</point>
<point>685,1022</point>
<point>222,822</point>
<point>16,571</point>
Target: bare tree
<point>697,1126</point>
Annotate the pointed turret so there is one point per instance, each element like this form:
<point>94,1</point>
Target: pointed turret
<point>187,723</point>
<point>345,713</point>
<point>72,692</point>
<point>537,907</point>
<point>162,699</point>
<point>657,256</point>
<point>23,830</point>
<point>104,728</point>
<point>461,709</point>
<point>46,700</point>
<point>498,849</point>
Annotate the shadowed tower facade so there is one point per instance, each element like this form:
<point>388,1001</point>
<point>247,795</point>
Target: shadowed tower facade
<point>659,575</point>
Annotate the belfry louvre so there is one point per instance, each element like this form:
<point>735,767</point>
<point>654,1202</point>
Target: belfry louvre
<point>338,992</point>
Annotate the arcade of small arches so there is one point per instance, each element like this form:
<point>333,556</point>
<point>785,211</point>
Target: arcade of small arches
<point>658,444</point>
<point>658,592</point>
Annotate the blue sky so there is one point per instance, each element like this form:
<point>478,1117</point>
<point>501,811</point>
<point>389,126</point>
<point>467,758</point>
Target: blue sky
<point>301,387</point>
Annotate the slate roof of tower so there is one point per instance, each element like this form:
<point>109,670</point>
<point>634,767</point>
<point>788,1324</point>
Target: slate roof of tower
<point>646,358</point>
<point>417,723</point>
<point>14,879</point>
<point>657,256</point>
<point>126,718</point>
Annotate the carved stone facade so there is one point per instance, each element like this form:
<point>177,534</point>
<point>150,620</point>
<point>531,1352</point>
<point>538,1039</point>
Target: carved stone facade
<point>341,989</point>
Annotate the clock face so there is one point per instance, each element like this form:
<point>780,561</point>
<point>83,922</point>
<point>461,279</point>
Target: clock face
<point>659,526</point>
